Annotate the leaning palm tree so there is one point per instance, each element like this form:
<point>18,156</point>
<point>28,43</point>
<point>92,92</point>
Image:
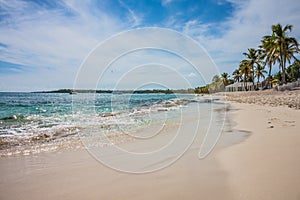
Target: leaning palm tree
<point>246,72</point>
<point>259,72</point>
<point>236,75</point>
<point>271,54</point>
<point>287,46</point>
<point>224,78</point>
<point>292,48</point>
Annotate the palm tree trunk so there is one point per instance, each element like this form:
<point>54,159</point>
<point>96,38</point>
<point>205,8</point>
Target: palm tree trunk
<point>253,83</point>
<point>283,70</point>
<point>245,78</point>
<point>283,75</point>
<point>269,75</point>
<point>281,64</point>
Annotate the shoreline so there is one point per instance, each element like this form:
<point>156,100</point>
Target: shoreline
<point>78,175</point>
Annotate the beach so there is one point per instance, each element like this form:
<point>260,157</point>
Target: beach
<point>266,165</point>
<point>257,157</point>
<point>149,100</point>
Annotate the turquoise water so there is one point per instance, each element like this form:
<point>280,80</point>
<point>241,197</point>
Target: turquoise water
<point>51,104</point>
<point>30,118</point>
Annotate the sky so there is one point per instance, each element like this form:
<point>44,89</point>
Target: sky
<point>46,44</point>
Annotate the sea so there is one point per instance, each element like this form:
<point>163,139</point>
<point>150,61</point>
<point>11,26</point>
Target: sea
<point>32,123</point>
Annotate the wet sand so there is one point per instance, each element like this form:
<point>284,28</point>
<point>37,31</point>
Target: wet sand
<point>78,175</point>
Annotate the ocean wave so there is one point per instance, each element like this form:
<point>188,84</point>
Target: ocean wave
<point>60,124</point>
<point>13,117</point>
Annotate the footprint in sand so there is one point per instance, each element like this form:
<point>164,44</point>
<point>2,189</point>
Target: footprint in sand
<point>279,122</point>
<point>289,122</point>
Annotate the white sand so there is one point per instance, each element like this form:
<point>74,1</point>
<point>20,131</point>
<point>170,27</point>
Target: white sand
<point>267,165</point>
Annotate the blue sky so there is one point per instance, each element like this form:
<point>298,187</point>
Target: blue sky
<point>44,42</point>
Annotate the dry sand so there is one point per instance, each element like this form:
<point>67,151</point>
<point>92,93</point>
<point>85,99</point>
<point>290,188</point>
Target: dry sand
<point>267,97</point>
<point>266,165</point>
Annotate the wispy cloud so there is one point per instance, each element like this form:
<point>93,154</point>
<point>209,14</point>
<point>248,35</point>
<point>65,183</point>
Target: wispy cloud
<point>136,21</point>
<point>166,2</point>
<point>56,39</point>
<point>244,29</point>
<point>150,47</point>
<point>44,37</point>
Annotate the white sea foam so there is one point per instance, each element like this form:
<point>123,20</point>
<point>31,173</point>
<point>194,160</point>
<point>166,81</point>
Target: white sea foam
<point>40,132</point>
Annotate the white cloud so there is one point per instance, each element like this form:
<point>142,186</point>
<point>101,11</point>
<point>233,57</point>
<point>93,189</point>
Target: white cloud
<point>251,20</point>
<point>132,15</point>
<point>166,2</point>
<point>150,46</point>
<point>51,39</point>
<point>192,74</point>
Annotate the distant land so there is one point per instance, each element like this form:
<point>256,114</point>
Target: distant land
<point>153,91</point>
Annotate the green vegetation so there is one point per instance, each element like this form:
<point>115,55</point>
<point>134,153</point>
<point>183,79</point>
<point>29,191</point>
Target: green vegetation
<point>154,91</point>
<point>218,84</point>
<point>278,48</point>
<point>293,72</point>
<point>73,91</point>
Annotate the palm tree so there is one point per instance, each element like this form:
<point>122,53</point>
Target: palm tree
<point>224,78</point>
<point>291,49</point>
<point>270,52</point>
<point>259,72</point>
<point>236,75</point>
<point>286,45</point>
<point>255,58</point>
<point>245,69</point>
